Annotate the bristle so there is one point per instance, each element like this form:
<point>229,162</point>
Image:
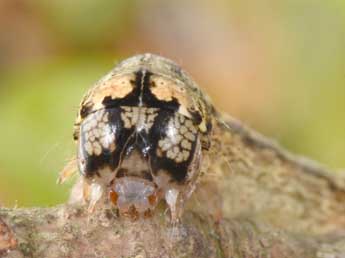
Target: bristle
<point>68,171</point>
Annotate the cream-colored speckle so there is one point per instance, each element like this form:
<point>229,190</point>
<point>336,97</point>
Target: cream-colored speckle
<point>127,123</point>
<point>190,136</point>
<point>183,129</point>
<point>176,149</point>
<point>86,126</point>
<point>189,124</point>
<point>92,123</point>
<point>150,118</point>
<point>166,146</point>
<point>177,139</point>
<point>193,130</point>
<point>96,133</point>
<point>161,143</point>
<point>135,114</point>
<point>99,115</point>
<point>128,109</point>
<point>186,144</point>
<point>91,137</point>
<point>88,148</point>
<point>171,154</point>
<point>97,149</point>
<point>185,154</point>
<point>149,125</point>
<point>179,158</point>
<point>104,142</point>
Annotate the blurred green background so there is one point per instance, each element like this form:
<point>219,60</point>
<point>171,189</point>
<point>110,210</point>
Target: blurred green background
<point>278,65</point>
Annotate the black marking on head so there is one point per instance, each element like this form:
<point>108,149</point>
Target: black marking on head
<point>196,117</point>
<point>141,90</point>
<point>132,99</point>
<point>150,100</point>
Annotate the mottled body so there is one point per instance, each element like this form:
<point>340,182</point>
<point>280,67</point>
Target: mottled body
<point>142,131</point>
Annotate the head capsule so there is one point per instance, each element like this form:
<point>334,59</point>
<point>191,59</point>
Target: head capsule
<point>141,131</point>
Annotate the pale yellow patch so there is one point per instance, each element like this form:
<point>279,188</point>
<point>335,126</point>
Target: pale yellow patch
<point>97,149</point>
<point>116,87</point>
<point>88,148</point>
<point>186,144</point>
<point>165,90</point>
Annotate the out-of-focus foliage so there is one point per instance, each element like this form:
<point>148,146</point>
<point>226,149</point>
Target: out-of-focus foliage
<point>278,65</point>
<point>38,107</point>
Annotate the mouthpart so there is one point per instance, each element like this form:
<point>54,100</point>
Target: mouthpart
<point>134,195</point>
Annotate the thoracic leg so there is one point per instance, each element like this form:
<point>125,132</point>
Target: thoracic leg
<point>96,193</point>
<point>175,203</point>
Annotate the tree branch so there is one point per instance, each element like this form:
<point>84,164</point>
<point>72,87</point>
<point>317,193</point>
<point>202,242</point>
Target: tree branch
<point>68,231</point>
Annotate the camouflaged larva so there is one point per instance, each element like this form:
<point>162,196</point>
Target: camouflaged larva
<point>142,131</point>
